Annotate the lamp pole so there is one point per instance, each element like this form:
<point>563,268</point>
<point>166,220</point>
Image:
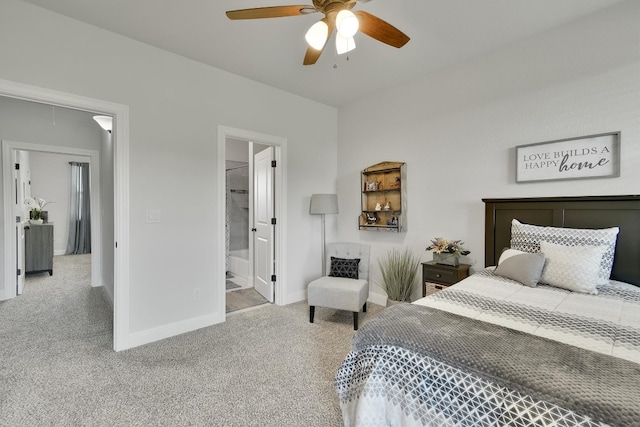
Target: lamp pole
<point>324,258</point>
<point>322,204</point>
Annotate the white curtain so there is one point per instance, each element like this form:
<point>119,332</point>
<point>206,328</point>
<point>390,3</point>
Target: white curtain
<point>79,210</point>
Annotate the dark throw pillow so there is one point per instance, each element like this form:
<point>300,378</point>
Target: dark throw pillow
<point>342,267</point>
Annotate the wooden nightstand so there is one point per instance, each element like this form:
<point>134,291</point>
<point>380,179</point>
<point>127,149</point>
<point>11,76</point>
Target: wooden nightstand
<point>440,276</point>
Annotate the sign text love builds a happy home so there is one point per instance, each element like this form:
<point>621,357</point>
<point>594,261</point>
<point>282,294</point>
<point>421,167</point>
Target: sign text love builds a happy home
<point>587,157</point>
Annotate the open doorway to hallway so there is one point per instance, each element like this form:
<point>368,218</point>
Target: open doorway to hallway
<point>47,133</point>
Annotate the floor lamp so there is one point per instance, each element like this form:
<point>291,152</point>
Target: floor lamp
<point>322,204</point>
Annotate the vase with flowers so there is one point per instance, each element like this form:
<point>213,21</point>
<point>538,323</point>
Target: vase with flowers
<point>36,207</point>
<point>447,251</point>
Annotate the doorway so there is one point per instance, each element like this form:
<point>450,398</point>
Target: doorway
<point>249,237</point>
<point>120,165</point>
<point>17,154</point>
<point>276,265</point>
<point>43,179</point>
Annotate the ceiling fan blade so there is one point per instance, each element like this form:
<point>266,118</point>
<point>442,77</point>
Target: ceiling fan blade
<point>270,12</point>
<point>312,55</point>
<point>381,30</point>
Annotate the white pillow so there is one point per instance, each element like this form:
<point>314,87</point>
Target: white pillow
<point>527,237</point>
<point>574,268</point>
<point>523,267</point>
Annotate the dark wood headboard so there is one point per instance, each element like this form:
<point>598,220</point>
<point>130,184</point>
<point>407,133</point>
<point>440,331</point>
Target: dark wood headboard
<point>570,212</point>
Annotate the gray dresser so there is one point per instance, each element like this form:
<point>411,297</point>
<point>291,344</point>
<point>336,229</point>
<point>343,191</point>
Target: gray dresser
<point>38,248</point>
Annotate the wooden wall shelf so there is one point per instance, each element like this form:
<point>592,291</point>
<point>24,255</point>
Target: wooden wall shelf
<point>383,202</point>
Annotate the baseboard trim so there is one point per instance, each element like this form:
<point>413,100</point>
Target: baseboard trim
<point>167,331</point>
<point>378,299</point>
<point>107,295</point>
<point>295,297</point>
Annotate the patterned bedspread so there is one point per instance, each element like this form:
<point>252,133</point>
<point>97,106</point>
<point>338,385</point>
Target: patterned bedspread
<point>436,379</point>
<point>608,323</point>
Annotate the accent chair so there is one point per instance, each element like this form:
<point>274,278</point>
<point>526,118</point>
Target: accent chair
<point>345,285</point>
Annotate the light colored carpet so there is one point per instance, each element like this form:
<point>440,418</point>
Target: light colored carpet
<point>263,367</point>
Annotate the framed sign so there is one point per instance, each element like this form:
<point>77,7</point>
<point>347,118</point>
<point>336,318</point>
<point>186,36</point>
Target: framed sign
<point>594,156</point>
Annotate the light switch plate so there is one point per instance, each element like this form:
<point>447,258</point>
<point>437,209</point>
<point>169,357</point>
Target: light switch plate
<point>153,215</point>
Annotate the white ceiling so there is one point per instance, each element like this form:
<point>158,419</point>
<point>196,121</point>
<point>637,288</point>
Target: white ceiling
<point>443,32</point>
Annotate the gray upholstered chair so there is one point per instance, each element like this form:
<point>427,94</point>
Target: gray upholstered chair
<point>342,293</point>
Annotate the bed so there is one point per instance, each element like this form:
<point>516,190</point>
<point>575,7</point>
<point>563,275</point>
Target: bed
<point>559,346</point>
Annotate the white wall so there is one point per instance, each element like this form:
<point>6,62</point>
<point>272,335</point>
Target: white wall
<point>50,179</point>
<point>175,108</point>
<point>457,129</point>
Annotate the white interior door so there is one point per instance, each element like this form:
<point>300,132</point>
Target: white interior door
<point>263,193</point>
<point>21,190</point>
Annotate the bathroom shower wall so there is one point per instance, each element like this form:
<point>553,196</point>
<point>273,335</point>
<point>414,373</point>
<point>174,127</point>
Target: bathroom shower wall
<point>238,206</point>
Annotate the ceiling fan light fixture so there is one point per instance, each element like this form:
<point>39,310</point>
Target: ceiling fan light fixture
<point>317,35</point>
<point>344,44</point>
<point>347,23</point>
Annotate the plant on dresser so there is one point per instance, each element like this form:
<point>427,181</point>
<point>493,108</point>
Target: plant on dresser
<point>447,251</point>
<point>384,201</point>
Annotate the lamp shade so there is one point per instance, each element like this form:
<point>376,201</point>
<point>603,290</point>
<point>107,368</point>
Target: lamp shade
<point>344,45</point>
<point>347,23</point>
<point>317,35</point>
<point>323,204</point>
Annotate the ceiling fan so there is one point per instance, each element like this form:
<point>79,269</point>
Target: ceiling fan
<point>337,14</point>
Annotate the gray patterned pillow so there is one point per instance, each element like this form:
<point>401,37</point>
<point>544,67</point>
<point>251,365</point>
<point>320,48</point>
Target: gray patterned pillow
<point>343,267</point>
<point>527,238</point>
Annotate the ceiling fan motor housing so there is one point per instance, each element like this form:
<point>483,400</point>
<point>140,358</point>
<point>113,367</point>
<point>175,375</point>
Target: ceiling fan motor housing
<point>333,6</point>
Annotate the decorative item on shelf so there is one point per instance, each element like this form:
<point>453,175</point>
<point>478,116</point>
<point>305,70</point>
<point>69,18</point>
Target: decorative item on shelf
<point>398,272</point>
<point>393,222</point>
<point>36,214</point>
<point>387,206</point>
<point>447,252</point>
<point>372,218</point>
<point>378,207</point>
<point>373,186</point>
<point>395,185</point>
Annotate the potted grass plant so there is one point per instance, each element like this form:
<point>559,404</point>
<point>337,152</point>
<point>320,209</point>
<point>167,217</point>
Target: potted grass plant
<point>398,271</point>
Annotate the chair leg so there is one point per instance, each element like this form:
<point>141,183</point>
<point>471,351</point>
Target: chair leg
<point>364,308</point>
<point>355,320</point>
<point>312,311</point>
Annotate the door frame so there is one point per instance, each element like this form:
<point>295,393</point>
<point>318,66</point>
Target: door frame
<point>8,149</point>
<point>120,135</point>
<point>280,213</point>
